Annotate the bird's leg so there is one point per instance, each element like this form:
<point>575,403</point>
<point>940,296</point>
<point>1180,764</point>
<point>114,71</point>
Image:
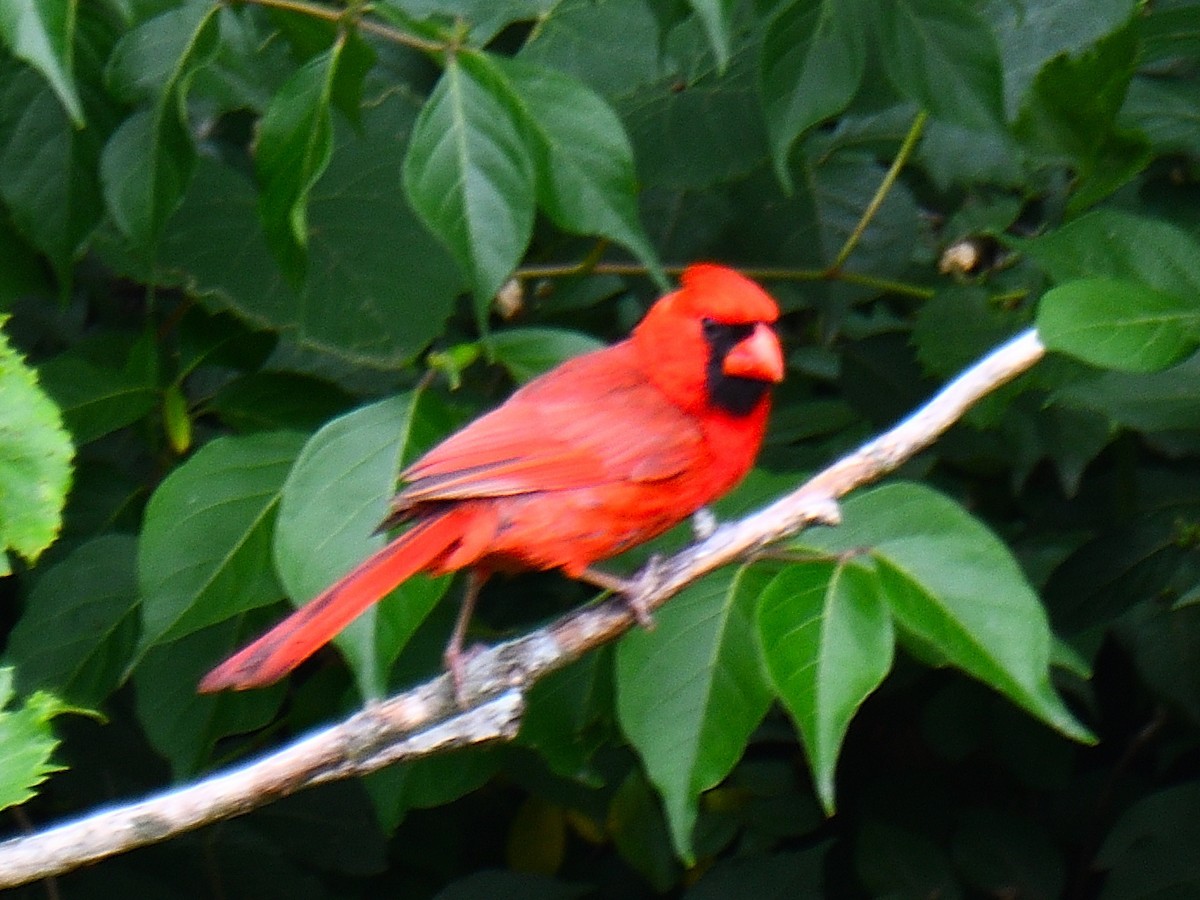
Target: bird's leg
<point>453,656</point>
<point>632,590</point>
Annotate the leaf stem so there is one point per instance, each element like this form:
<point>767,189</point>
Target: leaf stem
<point>329,14</point>
<point>885,187</point>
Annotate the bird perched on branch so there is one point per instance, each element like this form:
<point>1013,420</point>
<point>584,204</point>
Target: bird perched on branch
<point>603,452</point>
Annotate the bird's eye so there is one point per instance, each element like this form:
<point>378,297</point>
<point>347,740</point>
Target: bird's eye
<point>711,326</point>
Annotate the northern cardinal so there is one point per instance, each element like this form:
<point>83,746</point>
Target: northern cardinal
<point>603,452</point>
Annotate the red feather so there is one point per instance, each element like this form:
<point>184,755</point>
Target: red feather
<point>604,452</point>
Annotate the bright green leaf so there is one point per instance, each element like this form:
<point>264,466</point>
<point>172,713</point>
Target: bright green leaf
<point>79,628</point>
<point>827,641</point>
<point>295,143</point>
<point>333,501</point>
<point>35,460</point>
<point>584,162</point>
<point>42,33</point>
<point>1119,324</point>
<point>469,176</point>
<point>26,741</point>
<point>205,548</point>
<point>954,587</point>
<point>690,692</point>
<point>943,55</point>
<point>528,352</point>
<point>813,59</point>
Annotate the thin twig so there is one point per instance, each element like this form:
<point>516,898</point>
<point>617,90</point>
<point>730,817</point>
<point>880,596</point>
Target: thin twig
<point>885,187</point>
<point>331,14</point>
<point>427,720</point>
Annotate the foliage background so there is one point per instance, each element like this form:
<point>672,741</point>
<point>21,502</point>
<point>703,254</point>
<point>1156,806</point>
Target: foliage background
<point>236,239</point>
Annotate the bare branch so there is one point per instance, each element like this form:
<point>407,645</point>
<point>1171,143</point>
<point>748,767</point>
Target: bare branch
<point>426,720</point>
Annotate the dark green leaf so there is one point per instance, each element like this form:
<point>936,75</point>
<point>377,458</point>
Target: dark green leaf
<point>1119,324</point>
<point>79,629</point>
<point>813,58</point>
<point>181,724</point>
<point>717,18</point>
<point>204,553</point>
<point>611,46</point>
<point>295,143</point>
<point>94,399</point>
<point>364,242</point>
<point>35,460</point>
<point>42,32</point>
<point>944,56</point>
<point>1070,116</point>
<point>147,162</point>
<point>468,173</point>
<point>1148,852</point>
<point>1157,401</point>
<point>827,642</point>
<point>690,692</point>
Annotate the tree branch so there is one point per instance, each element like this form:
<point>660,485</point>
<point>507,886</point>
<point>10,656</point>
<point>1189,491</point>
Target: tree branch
<point>427,720</point>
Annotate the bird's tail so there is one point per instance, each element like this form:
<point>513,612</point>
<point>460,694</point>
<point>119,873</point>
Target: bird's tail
<point>312,626</point>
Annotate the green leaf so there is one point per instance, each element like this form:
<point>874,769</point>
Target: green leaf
<point>827,642</point>
<point>528,352</point>
<point>183,726</point>
<point>944,56</point>
<point>584,164</point>
<point>1148,852</point>
<point>95,400</point>
<point>42,32</point>
<point>1036,31</point>
<point>1157,401</point>
<point>295,143</point>
<point>364,242</point>
<point>690,692</point>
<point>953,586</point>
<point>26,741</point>
<point>717,18</point>
<point>146,164</point>
<point>469,176</point>
<point>79,629</point>
<point>1071,112</point>
<point>614,47</point>
<point>205,549</point>
<point>680,125</point>
<point>35,460</point>
<point>1120,245</point>
<point>1119,324</point>
<point>48,167</point>
<point>812,62</point>
<point>333,501</point>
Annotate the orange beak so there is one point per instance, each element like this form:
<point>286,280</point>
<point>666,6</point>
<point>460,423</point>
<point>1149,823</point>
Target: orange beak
<point>758,356</point>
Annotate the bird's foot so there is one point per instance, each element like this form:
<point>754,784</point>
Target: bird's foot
<point>704,523</point>
<point>456,660</point>
<point>641,588</point>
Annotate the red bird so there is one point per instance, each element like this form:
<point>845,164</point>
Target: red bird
<point>605,451</point>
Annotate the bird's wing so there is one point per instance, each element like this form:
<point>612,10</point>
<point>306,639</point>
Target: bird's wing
<point>592,421</point>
